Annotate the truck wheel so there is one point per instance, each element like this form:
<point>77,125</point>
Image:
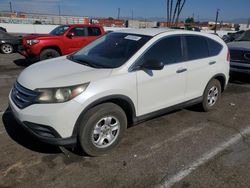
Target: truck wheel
<point>7,48</point>
<point>211,95</point>
<point>102,128</point>
<point>48,54</point>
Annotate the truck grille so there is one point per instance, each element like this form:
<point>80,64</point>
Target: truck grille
<point>240,56</point>
<point>23,97</point>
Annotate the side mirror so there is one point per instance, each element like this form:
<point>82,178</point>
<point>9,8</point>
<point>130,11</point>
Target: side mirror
<point>153,65</point>
<point>70,35</point>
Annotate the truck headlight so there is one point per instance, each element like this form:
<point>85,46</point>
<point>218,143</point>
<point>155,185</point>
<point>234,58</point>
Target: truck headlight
<point>60,95</point>
<point>32,42</point>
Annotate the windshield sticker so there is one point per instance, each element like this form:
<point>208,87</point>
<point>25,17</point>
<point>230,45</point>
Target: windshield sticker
<point>132,37</point>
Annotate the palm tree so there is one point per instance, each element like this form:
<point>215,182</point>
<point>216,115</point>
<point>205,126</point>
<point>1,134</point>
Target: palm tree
<point>171,9</point>
<point>173,15</point>
<point>168,4</point>
<point>181,5</point>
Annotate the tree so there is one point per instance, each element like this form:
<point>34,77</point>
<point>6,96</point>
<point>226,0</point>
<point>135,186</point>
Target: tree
<point>189,20</point>
<point>37,22</point>
<point>173,15</point>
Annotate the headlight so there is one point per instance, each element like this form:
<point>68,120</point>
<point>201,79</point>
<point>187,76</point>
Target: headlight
<point>60,95</point>
<point>31,42</point>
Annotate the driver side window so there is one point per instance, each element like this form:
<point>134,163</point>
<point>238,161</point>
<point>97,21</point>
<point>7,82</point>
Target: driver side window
<point>167,50</point>
<point>79,31</point>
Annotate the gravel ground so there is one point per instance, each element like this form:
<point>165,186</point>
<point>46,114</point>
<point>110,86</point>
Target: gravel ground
<point>186,148</point>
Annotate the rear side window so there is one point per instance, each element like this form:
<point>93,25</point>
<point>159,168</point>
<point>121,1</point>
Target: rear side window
<point>94,31</point>
<point>168,51</point>
<point>214,47</point>
<point>197,47</point>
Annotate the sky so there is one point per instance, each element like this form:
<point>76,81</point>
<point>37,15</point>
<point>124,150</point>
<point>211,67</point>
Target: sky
<point>230,9</point>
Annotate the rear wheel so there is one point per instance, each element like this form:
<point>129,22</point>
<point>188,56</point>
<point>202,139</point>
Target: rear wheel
<point>102,128</point>
<point>48,54</point>
<point>211,95</point>
<point>7,48</point>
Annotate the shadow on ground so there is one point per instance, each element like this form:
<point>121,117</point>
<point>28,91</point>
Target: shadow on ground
<point>22,137</point>
<point>23,62</point>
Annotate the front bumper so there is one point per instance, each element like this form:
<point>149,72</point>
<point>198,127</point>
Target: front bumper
<point>28,52</point>
<point>50,123</point>
<point>240,67</point>
<point>45,133</point>
<point>24,52</point>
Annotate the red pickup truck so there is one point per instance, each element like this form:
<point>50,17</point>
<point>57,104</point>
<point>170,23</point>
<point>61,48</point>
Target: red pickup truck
<point>63,40</point>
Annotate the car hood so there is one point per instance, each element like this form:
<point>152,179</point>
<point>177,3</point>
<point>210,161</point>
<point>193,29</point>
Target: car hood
<point>7,36</point>
<point>36,36</point>
<point>59,72</point>
<point>244,45</point>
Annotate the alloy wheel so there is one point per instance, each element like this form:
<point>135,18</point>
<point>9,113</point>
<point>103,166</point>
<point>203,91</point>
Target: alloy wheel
<point>105,132</point>
<point>7,48</point>
<point>213,95</point>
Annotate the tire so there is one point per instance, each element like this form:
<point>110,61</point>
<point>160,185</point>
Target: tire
<point>96,136</point>
<point>48,54</point>
<point>211,96</point>
<point>7,48</point>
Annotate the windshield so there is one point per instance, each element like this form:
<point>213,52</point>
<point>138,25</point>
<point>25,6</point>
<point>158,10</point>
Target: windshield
<point>110,51</point>
<point>60,30</point>
<point>244,37</point>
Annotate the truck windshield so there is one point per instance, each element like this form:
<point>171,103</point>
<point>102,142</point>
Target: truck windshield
<point>110,51</point>
<point>60,30</point>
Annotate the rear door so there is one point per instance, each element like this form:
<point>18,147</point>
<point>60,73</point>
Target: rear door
<point>201,65</point>
<point>93,33</point>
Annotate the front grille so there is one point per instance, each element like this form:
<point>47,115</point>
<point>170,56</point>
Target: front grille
<point>23,97</point>
<point>240,56</point>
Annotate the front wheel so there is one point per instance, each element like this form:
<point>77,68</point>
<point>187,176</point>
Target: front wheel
<point>7,48</point>
<point>212,95</point>
<point>102,128</point>
<point>48,54</point>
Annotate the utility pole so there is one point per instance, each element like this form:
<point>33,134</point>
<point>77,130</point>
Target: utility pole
<point>11,10</point>
<point>132,14</point>
<point>59,12</point>
<point>119,11</point>
<point>216,20</point>
<point>248,24</point>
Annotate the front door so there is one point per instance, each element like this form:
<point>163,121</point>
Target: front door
<point>158,89</point>
<point>78,39</point>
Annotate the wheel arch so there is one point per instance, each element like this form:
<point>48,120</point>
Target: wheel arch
<point>122,101</point>
<point>222,79</point>
<point>54,47</point>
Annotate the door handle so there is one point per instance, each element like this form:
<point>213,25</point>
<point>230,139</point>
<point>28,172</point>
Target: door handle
<point>212,62</point>
<point>181,70</point>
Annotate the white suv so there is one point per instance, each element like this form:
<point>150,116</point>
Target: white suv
<point>122,78</point>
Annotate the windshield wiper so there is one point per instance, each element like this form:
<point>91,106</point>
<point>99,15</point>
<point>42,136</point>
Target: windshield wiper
<point>83,62</point>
